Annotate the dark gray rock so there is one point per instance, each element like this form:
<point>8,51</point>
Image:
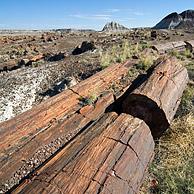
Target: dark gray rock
<point>84,47</point>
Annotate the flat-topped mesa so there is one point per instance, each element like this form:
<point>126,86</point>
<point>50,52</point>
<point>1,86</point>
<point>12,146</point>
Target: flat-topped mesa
<point>158,98</point>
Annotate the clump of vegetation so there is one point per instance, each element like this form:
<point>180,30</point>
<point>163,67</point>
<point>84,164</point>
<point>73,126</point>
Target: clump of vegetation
<point>132,72</point>
<point>118,54</point>
<point>145,62</point>
<point>190,68</point>
<point>187,53</point>
<point>174,53</point>
<point>105,60</point>
<point>173,165</point>
<point>144,45</point>
<point>37,63</point>
<point>84,101</point>
<point>187,102</point>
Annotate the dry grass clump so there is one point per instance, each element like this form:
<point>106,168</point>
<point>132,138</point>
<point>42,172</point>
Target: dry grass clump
<point>187,53</point>
<point>145,62</point>
<point>172,171</point>
<point>123,52</point>
<point>116,54</point>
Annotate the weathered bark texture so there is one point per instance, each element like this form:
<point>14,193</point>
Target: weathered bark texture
<point>158,98</point>
<point>31,138</point>
<point>109,157</point>
<point>163,48</point>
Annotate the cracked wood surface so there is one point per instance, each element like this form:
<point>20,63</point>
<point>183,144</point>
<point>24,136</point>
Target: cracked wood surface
<point>109,157</point>
<point>31,138</point>
<point>157,99</point>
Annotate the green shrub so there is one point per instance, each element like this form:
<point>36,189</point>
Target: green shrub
<point>88,100</point>
<point>187,53</point>
<point>146,61</point>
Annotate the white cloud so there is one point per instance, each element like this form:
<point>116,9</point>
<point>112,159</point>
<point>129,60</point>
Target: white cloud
<point>112,10</point>
<point>138,13</point>
<point>125,19</point>
<point>92,16</point>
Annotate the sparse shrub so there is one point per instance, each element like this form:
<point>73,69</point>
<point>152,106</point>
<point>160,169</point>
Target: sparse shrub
<point>117,54</point>
<point>174,53</point>
<point>187,53</point>
<point>126,50</point>
<point>88,100</point>
<point>187,102</point>
<point>144,45</point>
<point>146,61</point>
<point>132,72</point>
<point>105,60</point>
<point>173,165</point>
<point>37,63</point>
<point>190,68</point>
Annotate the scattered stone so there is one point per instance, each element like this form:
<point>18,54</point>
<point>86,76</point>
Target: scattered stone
<point>84,47</point>
<point>24,62</point>
<point>57,57</point>
<point>154,34</point>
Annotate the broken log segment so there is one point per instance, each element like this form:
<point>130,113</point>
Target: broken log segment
<point>31,138</point>
<point>112,160</point>
<point>158,98</point>
<point>169,46</point>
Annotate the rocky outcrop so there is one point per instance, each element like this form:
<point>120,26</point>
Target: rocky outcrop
<point>185,20</point>
<point>113,26</point>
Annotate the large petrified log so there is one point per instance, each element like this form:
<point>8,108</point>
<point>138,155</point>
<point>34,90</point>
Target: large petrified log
<point>169,46</point>
<point>109,157</point>
<point>31,138</point>
<point>157,99</point>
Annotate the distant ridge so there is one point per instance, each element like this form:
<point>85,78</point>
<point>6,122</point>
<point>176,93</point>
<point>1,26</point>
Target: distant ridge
<point>114,26</point>
<point>185,20</point>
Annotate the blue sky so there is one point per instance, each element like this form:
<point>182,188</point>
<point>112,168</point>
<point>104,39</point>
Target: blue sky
<point>48,14</point>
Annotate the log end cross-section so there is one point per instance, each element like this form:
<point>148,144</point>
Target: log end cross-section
<point>158,98</point>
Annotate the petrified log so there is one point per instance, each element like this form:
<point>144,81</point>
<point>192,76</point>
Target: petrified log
<point>163,48</point>
<point>109,157</point>
<point>157,99</point>
<point>31,138</point>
